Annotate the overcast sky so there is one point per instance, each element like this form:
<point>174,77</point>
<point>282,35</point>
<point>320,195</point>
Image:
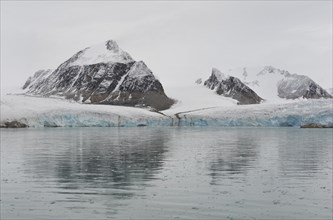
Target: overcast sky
<point>179,41</point>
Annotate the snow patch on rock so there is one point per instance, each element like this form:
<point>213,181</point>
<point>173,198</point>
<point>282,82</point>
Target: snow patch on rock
<point>106,52</point>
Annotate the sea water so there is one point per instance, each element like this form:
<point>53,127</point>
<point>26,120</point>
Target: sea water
<point>166,173</point>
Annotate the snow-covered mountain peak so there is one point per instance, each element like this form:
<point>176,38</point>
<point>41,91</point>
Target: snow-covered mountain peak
<point>112,45</point>
<point>106,52</point>
<point>215,79</point>
<point>272,70</point>
<point>274,84</point>
<point>102,74</point>
<point>218,74</point>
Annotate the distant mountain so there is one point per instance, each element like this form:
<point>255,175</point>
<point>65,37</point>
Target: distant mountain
<point>294,86</point>
<point>102,74</point>
<point>273,83</point>
<point>232,87</point>
<point>37,77</point>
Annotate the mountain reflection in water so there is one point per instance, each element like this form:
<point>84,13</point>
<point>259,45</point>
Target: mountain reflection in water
<point>163,173</point>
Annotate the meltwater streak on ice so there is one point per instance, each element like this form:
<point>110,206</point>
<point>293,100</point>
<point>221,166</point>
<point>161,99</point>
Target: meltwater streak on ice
<point>165,173</point>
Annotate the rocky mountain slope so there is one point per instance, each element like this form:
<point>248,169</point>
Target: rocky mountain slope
<point>102,74</point>
<point>272,83</point>
<point>232,87</point>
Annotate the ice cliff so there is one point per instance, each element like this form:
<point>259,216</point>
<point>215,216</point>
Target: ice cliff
<point>51,112</point>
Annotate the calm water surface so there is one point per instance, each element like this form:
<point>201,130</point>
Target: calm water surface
<point>166,173</point>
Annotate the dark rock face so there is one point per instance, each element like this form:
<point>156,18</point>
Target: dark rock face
<point>314,91</point>
<point>214,80</point>
<point>13,124</point>
<point>232,87</point>
<point>119,81</point>
<point>315,126</point>
<point>295,86</point>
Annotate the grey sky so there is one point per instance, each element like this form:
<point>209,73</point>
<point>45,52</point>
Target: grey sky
<point>179,41</point>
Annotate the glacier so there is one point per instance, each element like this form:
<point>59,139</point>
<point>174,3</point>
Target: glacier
<point>54,112</point>
<point>57,112</point>
<point>293,114</point>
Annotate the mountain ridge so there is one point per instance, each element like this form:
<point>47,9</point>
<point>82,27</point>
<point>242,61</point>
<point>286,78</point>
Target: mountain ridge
<point>273,83</point>
<point>230,86</point>
<point>102,74</point>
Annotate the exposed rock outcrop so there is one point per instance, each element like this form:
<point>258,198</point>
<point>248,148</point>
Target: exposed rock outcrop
<point>232,87</point>
<point>13,124</point>
<point>315,126</point>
